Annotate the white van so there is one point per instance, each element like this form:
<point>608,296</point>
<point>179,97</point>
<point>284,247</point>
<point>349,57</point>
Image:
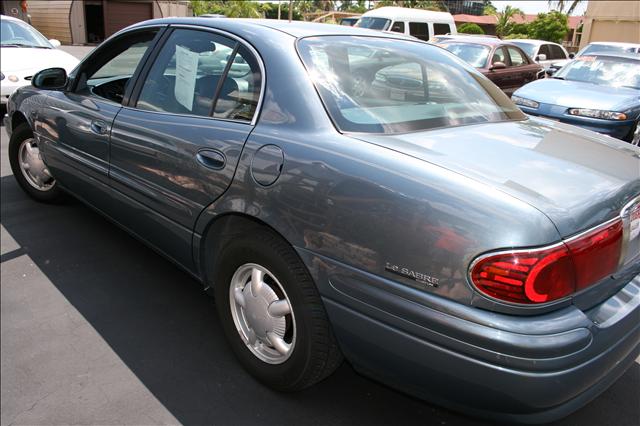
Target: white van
<point>422,24</point>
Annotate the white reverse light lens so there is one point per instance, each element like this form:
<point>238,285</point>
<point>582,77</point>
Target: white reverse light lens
<point>525,102</point>
<point>596,113</point>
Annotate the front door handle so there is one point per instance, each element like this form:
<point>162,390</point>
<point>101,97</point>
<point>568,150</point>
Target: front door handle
<point>212,159</point>
<point>99,127</point>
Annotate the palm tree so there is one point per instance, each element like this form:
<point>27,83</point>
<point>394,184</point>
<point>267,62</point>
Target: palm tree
<point>561,4</point>
<point>504,24</point>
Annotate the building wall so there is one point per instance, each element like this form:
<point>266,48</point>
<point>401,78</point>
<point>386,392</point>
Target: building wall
<point>51,18</point>
<point>611,21</point>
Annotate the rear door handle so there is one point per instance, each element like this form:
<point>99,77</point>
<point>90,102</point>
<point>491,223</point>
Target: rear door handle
<point>211,159</point>
<point>99,127</point>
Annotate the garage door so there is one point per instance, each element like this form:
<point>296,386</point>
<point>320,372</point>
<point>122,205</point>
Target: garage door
<point>120,14</point>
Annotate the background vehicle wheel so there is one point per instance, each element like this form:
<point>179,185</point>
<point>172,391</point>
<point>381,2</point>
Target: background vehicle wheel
<point>29,169</point>
<point>272,314</point>
<point>635,135</point>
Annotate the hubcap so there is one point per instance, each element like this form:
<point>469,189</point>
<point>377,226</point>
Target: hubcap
<point>32,167</point>
<point>262,313</point>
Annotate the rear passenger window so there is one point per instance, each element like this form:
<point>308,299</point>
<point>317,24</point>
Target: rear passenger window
<point>193,69</point>
<point>517,58</point>
<point>419,30</point>
<point>398,27</point>
<point>441,29</point>
<point>238,95</point>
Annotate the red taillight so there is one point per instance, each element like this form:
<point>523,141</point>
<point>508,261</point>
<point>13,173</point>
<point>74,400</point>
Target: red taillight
<point>550,273</point>
<point>596,254</point>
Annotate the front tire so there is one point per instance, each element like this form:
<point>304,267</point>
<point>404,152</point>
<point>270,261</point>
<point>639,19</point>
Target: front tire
<point>272,314</point>
<point>29,170</point>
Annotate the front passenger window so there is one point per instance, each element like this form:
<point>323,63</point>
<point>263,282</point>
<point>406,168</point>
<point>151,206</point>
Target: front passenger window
<point>108,76</point>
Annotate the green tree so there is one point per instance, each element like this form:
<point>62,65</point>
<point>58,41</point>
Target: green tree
<point>229,8</point>
<point>516,36</point>
<point>505,22</point>
<point>550,26</point>
<point>560,5</point>
<point>355,6</point>
<point>489,9</point>
<point>435,5</point>
<point>470,28</point>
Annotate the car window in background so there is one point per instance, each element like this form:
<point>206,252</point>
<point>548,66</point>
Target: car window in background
<point>607,48</point>
<point>381,24</point>
<point>499,55</point>
<point>401,86</point>
<point>544,50</point>
<point>186,73</point>
<point>17,34</point>
<point>441,29</point>
<point>516,56</point>
<point>557,52</point>
<point>398,27</point>
<point>475,54</point>
<point>419,30</point>
<point>529,48</point>
<point>603,70</point>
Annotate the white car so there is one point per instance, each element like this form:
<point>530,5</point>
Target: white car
<point>548,54</point>
<point>24,51</point>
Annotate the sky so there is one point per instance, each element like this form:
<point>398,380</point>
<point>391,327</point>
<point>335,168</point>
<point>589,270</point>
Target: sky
<point>534,7</point>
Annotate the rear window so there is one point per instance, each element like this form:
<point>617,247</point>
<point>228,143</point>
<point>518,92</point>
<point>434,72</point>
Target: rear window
<point>381,24</point>
<point>384,85</point>
<point>475,54</point>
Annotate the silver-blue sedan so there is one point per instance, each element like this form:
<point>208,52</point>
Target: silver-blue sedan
<point>349,193</point>
<point>599,92</point>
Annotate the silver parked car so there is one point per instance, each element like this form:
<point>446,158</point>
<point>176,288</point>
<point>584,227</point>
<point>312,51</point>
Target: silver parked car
<point>346,192</point>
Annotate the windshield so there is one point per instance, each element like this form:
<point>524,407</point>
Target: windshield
<point>529,49</point>
<point>603,70</point>
<point>381,24</point>
<point>475,54</point>
<point>17,34</point>
<point>607,48</point>
<point>384,85</point>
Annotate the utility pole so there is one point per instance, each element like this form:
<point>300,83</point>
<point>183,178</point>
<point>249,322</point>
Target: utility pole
<point>279,4</point>
<point>290,10</point>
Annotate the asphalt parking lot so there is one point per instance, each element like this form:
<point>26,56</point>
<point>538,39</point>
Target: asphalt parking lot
<point>98,329</point>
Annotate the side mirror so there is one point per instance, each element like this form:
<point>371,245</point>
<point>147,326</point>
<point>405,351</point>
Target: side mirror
<point>572,55</point>
<point>541,57</point>
<point>50,79</point>
<point>498,66</point>
<point>550,71</point>
<point>55,43</point>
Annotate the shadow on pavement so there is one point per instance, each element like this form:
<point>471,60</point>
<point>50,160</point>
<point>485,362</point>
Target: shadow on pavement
<point>162,325</point>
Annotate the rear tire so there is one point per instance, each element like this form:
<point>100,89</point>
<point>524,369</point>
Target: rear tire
<point>287,347</point>
<point>28,168</point>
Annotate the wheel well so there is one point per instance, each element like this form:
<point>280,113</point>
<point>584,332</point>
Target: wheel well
<point>17,119</point>
<point>218,232</point>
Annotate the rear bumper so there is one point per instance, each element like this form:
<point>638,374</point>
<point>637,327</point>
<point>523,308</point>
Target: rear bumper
<point>527,369</point>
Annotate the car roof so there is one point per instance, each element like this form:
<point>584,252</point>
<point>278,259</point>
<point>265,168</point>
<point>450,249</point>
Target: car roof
<point>11,18</point>
<point>297,29</point>
<point>530,41</point>
<point>487,41</point>
<point>615,43</point>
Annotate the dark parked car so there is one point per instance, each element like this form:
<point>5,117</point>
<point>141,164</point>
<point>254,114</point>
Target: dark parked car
<point>416,222</point>
<point>599,92</point>
<point>502,62</point>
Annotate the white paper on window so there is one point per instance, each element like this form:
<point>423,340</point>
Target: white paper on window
<point>186,73</point>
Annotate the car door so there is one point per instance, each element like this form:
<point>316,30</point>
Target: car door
<point>499,76</point>
<point>521,70</point>
<point>78,121</point>
<point>175,146</point>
